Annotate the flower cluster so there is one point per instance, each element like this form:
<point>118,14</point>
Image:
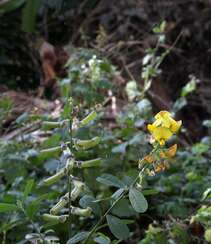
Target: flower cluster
<point>162,130</point>
<point>164,127</point>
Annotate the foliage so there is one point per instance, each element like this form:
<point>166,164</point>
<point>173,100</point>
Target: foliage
<point>122,196</point>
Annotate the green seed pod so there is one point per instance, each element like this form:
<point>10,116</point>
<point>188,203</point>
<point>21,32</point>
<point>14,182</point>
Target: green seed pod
<point>88,119</point>
<point>86,144</point>
<point>90,163</point>
<point>54,178</point>
<point>86,212</point>
<point>47,125</point>
<point>69,166</point>
<point>50,150</point>
<point>54,218</point>
<point>78,188</point>
<point>61,204</point>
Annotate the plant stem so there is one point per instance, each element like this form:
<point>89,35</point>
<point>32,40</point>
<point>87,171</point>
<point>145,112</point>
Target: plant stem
<point>109,210</point>
<point>103,217</point>
<point>69,183</point>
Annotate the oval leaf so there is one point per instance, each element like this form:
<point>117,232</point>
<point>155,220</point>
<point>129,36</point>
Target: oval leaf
<point>138,201</point>
<point>110,180</point>
<point>78,237</point>
<point>118,228</point>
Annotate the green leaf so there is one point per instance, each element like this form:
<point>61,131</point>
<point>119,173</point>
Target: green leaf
<point>29,15</point>
<point>22,118</point>
<point>35,206</point>
<point>89,201</point>
<point>78,237</point>
<point>9,6</point>
<point>102,239</point>
<point>132,90</point>
<point>121,148</point>
<point>117,227</point>
<point>206,194</point>
<point>118,193</point>
<point>28,188</point>
<point>123,209</point>
<point>110,180</point>
<point>138,201</point>
<point>150,192</point>
<point>179,104</point>
<point>189,87</point>
<point>7,207</point>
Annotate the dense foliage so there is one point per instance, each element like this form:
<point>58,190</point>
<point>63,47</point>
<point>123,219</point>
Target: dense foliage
<point>88,171</point>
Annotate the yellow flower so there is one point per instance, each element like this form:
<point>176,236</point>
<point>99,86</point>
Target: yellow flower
<point>164,127</point>
<point>160,134</point>
<point>164,119</point>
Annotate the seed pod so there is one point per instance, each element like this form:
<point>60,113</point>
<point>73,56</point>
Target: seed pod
<point>47,125</point>
<point>86,144</point>
<point>86,212</point>
<point>88,119</point>
<point>54,178</point>
<point>91,163</point>
<point>69,166</point>
<point>54,218</point>
<point>78,188</point>
<point>61,204</point>
<point>50,150</point>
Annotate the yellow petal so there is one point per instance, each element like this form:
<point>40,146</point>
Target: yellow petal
<point>161,114</point>
<point>161,133</point>
<point>158,122</point>
<point>162,142</point>
<point>175,125</point>
<point>150,128</point>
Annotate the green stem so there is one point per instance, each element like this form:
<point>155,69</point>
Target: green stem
<point>102,218</point>
<point>69,183</point>
<point>109,210</point>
